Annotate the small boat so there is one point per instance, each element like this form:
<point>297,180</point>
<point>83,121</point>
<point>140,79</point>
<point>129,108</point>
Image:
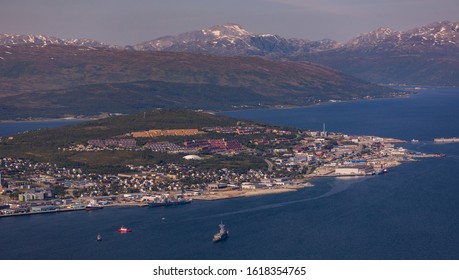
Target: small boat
<point>124,229</point>
<point>414,141</point>
<point>222,234</point>
<point>99,237</point>
<point>385,170</point>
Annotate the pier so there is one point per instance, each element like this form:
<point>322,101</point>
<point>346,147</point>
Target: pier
<point>447,140</point>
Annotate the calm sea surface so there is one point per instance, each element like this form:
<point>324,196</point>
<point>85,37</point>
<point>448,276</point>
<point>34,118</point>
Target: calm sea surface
<point>410,213</point>
<point>10,128</point>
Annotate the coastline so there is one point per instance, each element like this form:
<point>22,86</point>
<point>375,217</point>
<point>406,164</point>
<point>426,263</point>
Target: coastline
<point>270,107</point>
<point>229,194</point>
<point>289,106</point>
<point>49,120</point>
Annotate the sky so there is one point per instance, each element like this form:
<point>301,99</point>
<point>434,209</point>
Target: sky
<point>127,22</point>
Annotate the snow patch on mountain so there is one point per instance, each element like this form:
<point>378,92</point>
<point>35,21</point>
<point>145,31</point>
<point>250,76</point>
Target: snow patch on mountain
<point>232,39</point>
<point>433,37</point>
<point>43,40</point>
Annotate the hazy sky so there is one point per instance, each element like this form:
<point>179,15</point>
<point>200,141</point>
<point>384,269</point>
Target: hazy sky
<point>125,22</point>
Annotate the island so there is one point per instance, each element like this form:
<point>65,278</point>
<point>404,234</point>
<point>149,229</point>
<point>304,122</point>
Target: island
<point>171,157</point>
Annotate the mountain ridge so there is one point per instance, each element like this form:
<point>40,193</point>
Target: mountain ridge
<point>57,80</point>
<point>426,55</point>
<point>443,33</point>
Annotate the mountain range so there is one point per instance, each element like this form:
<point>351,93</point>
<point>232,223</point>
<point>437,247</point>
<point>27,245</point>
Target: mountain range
<point>43,40</point>
<point>427,55</point>
<point>231,39</point>
<point>55,80</point>
<point>223,67</point>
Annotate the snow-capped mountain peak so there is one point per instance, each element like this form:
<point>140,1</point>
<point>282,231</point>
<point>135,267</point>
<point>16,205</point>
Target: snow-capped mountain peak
<point>432,37</point>
<point>232,39</point>
<point>44,40</point>
<point>231,29</point>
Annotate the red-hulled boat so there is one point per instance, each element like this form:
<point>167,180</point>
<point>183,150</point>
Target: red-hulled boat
<point>124,229</point>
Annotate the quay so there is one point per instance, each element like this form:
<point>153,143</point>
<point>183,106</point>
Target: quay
<point>446,140</point>
<point>41,212</point>
<point>60,210</point>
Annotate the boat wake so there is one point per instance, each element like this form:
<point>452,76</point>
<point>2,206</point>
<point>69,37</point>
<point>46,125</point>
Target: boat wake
<point>337,187</point>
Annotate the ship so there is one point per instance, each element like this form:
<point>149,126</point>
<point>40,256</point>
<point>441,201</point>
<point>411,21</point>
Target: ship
<point>93,205</point>
<point>124,229</point>
<point>222,234</point>
<point>99,237</point>
<point>170,201</point>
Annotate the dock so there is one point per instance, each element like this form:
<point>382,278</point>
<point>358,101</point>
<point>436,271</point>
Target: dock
<point>447,140</point>
<point>41,212</point>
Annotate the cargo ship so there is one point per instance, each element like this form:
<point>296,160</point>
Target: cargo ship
<point>93,205</point>
<point>222,234</point>
<point>170,202</point>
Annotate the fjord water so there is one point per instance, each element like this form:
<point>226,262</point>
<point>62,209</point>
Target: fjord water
<point>11,128</point>
<point>410,213</point>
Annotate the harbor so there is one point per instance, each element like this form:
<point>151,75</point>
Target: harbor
<point>408,214</point>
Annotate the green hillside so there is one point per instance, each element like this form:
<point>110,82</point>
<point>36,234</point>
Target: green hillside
<point>43,145</point>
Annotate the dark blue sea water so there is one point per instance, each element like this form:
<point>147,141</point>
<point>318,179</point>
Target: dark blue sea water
<point>410,213</point>
<point>431,113</point>
<point>10,128</point>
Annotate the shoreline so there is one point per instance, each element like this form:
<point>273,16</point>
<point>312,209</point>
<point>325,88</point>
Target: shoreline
<point>270,107</point>
<point>50,120</point>
<point>230,194</point>
<point>416,89</point>
<point>287,106</point>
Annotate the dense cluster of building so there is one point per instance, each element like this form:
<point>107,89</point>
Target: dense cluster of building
<point>113,143</point>
<point>165,132</point>
<point>240,130</point>
<point>288,157</point>
<point>188,147</point>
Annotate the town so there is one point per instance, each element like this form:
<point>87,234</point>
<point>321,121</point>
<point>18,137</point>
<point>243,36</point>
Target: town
<point>292,159</point>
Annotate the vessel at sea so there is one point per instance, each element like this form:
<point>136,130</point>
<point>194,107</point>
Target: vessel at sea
<point>124,229</point>
<point>222,234</point>
<point>99,237</point>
